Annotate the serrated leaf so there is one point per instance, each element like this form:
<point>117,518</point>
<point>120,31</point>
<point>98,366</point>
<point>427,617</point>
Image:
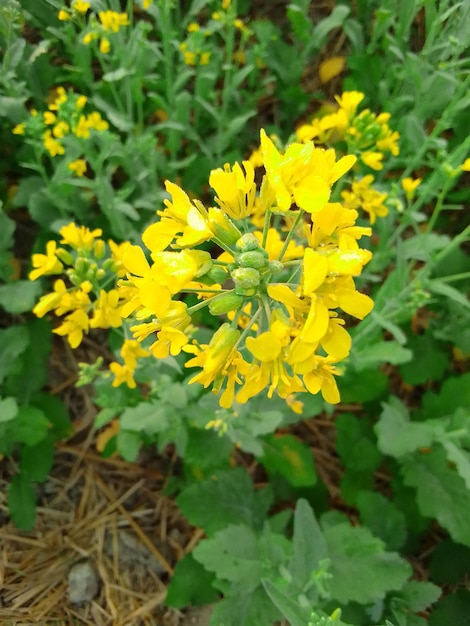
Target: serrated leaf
<point>14,341</point>
<point>419,595</point>
<point>22,502</point>
<point>244,609</point>
<point>308,544</point>
<point>355,443</point>
<point>441,493</point>
<point>383,518</point>
<point>145,417</point>
<point>362,571</point>
<point>382,352</point>
<point>397,436</point>
<point>291,458</point>
<point>191,584</point>
<point>428,362</point>
<point>231,494</point>
<point>31,425</point>
<point>458,456</point>
<point>454,393</point>
<point>19,296</point>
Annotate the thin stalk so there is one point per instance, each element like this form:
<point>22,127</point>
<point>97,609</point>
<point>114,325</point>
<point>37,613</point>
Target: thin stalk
<point>290,234</point>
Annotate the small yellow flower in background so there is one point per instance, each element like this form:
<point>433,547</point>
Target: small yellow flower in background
<point>226,4</point>
<point>60,130</point>
<point>58,97</point>
<point>78,167</point>
<point>88,38</point>
<point>331,68</point>
<point>64,15</point>
<point>193,27</point>
<point>466,165</point>
<point>146,3</point>
<point>74,327</point>
<point>363,196</point>
<point>239,24</point>
<point>49,118</point>
<point>81,102</point>
<point>80,6</point>
<point>79,236</point>
<point>189,57</point>
<point>46,263</point>
<point>349,101</point>
<point>110,20</point>
<point>105,46</point>
<point>19,129</point>
<point>53,146</point>
<point>409,186</point>
<point>373,159</point>
<point>216,15</point>
<point>204,58</point>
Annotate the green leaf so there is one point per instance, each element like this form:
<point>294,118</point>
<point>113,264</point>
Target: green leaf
<point>422,246</point>
<point>128,445</point>
<point>14,341</point>
<point>450,562</point>
<point>244,609</point>
<point>454,610</point>
<point>8,409</point>
<point>57,414</point>
<point>419,595</point>
<point>36,461</point>
<point>383,518</point>
<point>362,571</point>
<point>290,609</point>
<point>228,495</point>
<point>381,352</point>
<point>291,458</point>
<point>104,416</point>
<point>308,544</point>
<point>429,361</point>
<point>441,492</point>
<point>19,296</point>
<point>146,417</point>
<point>31,425</point>
<point>454,393</point>
<point>364,387</point>
<point>444,289</point>
<point>334,20</point>
<point>191,585</point>
<point>22,502</point>
<point>397,436</point>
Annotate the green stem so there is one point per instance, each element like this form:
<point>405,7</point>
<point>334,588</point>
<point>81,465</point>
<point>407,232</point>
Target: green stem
<point>199,306</point>
<point>455,277</point>
<point>249,327</point>
<point>267,224</point>
<point>291,234</point>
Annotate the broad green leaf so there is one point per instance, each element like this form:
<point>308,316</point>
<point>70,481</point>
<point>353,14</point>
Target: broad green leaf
<point>441,492</point>
<point>362,571</point>
<point>450,562</point>
<point>454,610</point>
<point>146,417</point>
<point>7,228</point>
<point>14,341</point>
<point>308,544</point>
<point>382,352</point>
<point>104,416</point>
<point>198,443</point>
<point>128,445</point>
<point>228,495</point>
<point>290,609</point>
<point>239,608</point>
<point>356,443</point>
<point>444,289</point>
<point>31,425</point>
<point>22,502</point>
<point>364,386</point>
<point>429,361</point>
<point>454,393</point>
<point>419,595</point>
<point>383,518</point>
<point>422,246</point>
<point>19,296</point>
<point>8,409</point>
<point>460,457</point>
<point>191,584</point>
<point>397,436</point>
<point>291,458</point>
<point>57,414</point>
<point>36,461</point>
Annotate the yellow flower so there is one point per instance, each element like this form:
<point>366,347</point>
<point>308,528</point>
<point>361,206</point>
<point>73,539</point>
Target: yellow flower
<point>52,300</point>
<point>81,101</point>
<point>94,120</point>
<point>363,195</point>
<point>80,6</point>
<point>373,159</point>
<point>226,4</point>
<point>213,357</point>
<point>59,97</point>
<point>53,146</point>
<point>236,190</point>
<point>303,175</point>
<point>79,237</point>
<point>331,68</point>
<point>78,166</point>
<point>19,129</point>
<point>73,327</point>
<point>88,38</point>
<point>409,186</point>
<point>204,58</point>
<point>60,129</point>
<point>349,101</point>
<point>49,118</point>
<point>82,130</point>
<point>110,20</point>
<point>122,375</point>
<point>189,57</point>
<point>46,263</point>
<point>105,46</point>
<point>131,351</point>
<point>146,4</point>
<point>193,27</point>
<point>64,15</point>
<point>466,165</point>
<point>106,310</point>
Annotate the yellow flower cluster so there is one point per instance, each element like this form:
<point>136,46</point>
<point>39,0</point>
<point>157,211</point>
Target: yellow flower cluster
<point>89,269</point>
<point>367,135</point>
<point>282,293</point>
<point>65,116</point>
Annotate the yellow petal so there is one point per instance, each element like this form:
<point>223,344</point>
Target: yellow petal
<point>331,68</point>
<point>266,347</point>
<point>135,262</point>
<point>314,271</point>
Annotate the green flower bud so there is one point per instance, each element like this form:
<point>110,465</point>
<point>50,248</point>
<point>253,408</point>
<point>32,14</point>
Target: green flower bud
<point>75,278</point>
<point>91,274</point>
<point>256,259</point>
<point>82,265</point>
<point>246,277</point>
<point>109,265</point>
<point>248,242</point>
<point>246,293</point>
<point>100,274</point>
<point>223,227</point>
<point>217,274</point>
<point>65,256</point>
<point>276,267</point>
<point>224,303</point>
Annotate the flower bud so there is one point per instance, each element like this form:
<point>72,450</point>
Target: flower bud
<point>226,302</point>
<point>276,267</point>
<point>82,265</point>
<point>246,277</point>
<point>256,259</point>
<point>223,227</point>
<point>220,347</point>
<point>91,274</point>
<point>247,242</point>
<point>100,274</point>
<point>217,274</point>
<point>64,256</point>
<point>246,293</point>
<point>99,248</point>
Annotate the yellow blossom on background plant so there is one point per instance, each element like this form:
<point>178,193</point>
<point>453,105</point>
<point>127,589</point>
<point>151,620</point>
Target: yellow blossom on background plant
<point>78,167</point>
<point>410,185</point>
